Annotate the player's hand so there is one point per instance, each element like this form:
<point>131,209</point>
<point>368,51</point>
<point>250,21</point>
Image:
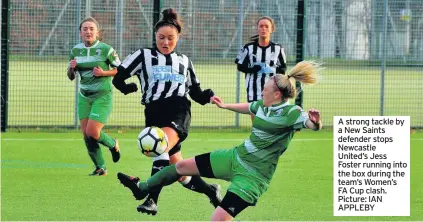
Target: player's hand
<point>218,101</point>
<point>314,115</point>
<point>98,71</point>
<point>72,64</point>
<point>130,88</point>
<point>255,68</point>
<point>214,99</point>
<point>267,69</point>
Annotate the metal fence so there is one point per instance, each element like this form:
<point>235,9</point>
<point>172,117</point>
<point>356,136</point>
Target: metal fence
<point>372,51</point>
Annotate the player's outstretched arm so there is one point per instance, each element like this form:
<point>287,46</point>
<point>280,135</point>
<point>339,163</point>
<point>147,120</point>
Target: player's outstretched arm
<point>236,107</point>
<point>314,122</point>
<point>246,69</point>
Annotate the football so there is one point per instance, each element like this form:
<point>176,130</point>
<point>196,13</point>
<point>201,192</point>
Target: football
<point>152,141</point>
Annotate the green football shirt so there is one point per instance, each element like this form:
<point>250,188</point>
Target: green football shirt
<point>98,55</point>
<point>273,129</point>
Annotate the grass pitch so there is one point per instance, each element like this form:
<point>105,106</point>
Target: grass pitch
<point>44,176</point>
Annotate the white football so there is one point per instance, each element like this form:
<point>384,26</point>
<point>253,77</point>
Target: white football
<point>152,141</point>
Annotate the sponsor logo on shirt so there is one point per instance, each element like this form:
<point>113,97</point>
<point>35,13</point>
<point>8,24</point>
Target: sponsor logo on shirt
<point>164,73</point>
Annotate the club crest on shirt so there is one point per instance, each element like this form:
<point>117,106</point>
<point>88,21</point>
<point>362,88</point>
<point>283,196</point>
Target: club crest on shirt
<point>98,52</point>
<point>278,112</point>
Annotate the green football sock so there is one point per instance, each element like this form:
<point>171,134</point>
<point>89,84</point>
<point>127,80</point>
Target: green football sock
<point>89,149</point>
<point>106,140</point>
<point>99,158</point>
<point>164,177</point>
<point>95,153</point>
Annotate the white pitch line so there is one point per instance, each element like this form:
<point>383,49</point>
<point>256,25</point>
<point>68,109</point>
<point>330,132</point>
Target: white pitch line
<point>217,140</point>
<point>194,140</point>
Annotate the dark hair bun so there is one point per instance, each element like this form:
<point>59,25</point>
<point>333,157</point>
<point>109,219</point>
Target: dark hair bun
<point>170,17</point>
<point>170,14</point>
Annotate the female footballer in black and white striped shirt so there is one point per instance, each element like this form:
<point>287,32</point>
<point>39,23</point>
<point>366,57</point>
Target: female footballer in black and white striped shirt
<point>260,59</point>
<point>166,79</point>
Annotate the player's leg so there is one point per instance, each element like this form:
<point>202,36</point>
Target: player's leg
<point>150,204</point>
<point>90,131</point>
<point>174,122</point>
<point>84,109</point>
<point>199,165</point>
<point>180,124</point>
<point>231,206</point>
<point>168,175</point>
<point>245,189</point>
<point>164,177</point>
<point>196,183</point>
<point>93,151</point>
<point>221,214</point>
<point>100,112</point>
<point>205,165</point>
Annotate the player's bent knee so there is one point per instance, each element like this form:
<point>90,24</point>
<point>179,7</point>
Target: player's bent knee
<point>181,166</point>
<point>92,134</point>
<point>93,138</point>
<point>221,215</point>
<point>186,167</point>
<point>232,204</point>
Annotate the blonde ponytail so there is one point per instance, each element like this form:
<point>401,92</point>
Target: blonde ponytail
<point>306,72</point>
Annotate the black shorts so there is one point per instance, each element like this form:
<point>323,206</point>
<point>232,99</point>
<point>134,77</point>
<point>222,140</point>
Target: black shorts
<point>170,112</point>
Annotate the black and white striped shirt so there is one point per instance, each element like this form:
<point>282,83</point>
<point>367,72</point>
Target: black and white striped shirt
<point>272,60</point>
<point>161,76</point>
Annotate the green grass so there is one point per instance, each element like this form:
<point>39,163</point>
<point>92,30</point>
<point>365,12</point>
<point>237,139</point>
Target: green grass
<point>41,95</point>
<point>44,177</point>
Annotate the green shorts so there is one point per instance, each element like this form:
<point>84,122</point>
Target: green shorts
<point>97,109</point>
<point>246,183</point>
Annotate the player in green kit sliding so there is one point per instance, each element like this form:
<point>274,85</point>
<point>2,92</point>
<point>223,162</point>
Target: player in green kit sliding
<point>95,62</point>
<point>250,166</point>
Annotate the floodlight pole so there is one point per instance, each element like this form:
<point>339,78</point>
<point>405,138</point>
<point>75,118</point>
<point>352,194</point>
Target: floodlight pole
<point>238,74</point>
<point>5,25</point>
<point>87,8</point>
<point>77,39</point>
<point>383,59</point>
<point>301,20</point>
<point>156,17</point>
<point>119,24</point>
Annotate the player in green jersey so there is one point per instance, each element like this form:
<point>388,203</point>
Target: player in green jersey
<point>250,166</point>
<point>95,62</point>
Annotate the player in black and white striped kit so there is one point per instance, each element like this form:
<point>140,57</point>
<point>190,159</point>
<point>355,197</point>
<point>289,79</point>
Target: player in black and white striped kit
<point>166,79</point>
<point>260,59</point>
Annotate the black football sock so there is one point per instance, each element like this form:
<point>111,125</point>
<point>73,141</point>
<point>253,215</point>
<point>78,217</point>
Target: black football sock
<point>199,185</point>
<point>159,163</point>
<point>94,152</point>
